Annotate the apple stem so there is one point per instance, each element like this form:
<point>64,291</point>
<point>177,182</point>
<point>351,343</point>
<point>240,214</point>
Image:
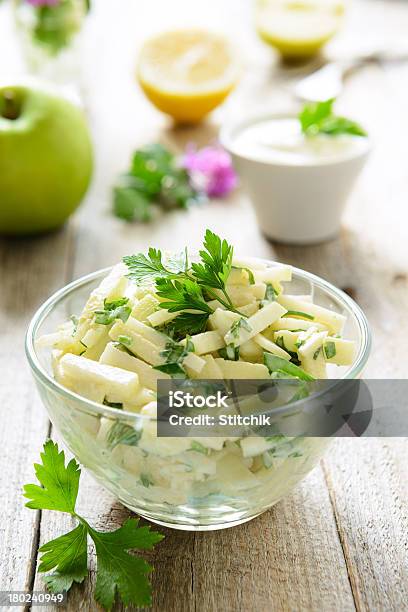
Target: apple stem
<point>11,106</point>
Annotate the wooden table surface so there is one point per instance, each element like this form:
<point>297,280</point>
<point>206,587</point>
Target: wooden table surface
<point>340,541</point>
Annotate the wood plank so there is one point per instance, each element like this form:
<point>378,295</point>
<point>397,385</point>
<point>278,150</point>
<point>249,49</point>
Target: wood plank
<point>367,479</point>
<point>28,276</point>
<point>283,560</point>
<point>291,565</point>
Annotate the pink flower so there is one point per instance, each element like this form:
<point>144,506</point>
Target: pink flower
<point>42,2</point>
<point>211,170</point>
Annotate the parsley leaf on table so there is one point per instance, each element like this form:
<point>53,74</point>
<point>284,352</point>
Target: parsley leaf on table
<point>112,311</point>
<point>60,484</point>
<point>129,201</point>
<point>154,179</point>
<point>319,118</point>
<point>118,572</point>
<point>68,555</point>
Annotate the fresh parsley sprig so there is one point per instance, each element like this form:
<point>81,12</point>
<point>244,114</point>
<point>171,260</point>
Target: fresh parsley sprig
<point>118,572</point>
<point>216,265</point>
<point>155,179</point>
<point>185,294</point>
<point>144,269</point>
<point>319,118</point>
<point>186,288</point>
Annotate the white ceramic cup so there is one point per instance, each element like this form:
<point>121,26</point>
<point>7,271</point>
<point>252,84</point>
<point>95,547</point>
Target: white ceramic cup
<point>296,203</point>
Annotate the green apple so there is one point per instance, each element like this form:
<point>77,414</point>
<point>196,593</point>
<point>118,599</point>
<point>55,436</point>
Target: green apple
<point>45,158</point>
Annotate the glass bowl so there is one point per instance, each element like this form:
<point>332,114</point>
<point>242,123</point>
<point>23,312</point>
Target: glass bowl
<point>163,482</point>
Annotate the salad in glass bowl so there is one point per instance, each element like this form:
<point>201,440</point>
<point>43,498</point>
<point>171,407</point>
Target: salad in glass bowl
<point>99,346</point>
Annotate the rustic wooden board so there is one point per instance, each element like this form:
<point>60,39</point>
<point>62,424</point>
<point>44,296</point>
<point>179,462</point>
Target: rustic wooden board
<point>28,274</point>
<point>340,541</point>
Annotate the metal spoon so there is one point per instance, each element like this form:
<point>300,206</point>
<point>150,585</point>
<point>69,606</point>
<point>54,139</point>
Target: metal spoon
<point>328,82</point>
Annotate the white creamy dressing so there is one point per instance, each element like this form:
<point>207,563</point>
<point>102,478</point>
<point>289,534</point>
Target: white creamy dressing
<point>281,140</point>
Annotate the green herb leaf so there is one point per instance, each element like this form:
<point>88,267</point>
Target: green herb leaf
<point>319,118</point>
<point>187,323</point>
<point>57,583</point>
<point>126,340</point>
<point>182,294</point>
<point>155,177</point>
<point>230,352</point>
<point>293,356</point>
<point>112,311</point>
<point>148,268</point>
<point>278,364</point>
<point>120,433</point>
<point>131,204</point>
<point>270,295</point>
<point>298,313</point>
<point>199,448</point>
<point>67,554</point>
<point>54,26</point>
<point>329,350</point>
<point>146,481</point>
<point>175,354</point>
<point>236,327</point>
<point>217,262</point>
<point>317,353</point>
<point>118,571</point>
<point>59,488</point>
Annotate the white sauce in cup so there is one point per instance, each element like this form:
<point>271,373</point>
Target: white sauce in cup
<point>281,140</point>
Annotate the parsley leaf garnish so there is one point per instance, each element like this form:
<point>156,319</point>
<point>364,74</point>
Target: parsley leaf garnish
<point>112,311</point>
<point>216,265</point>
<point>183,294</point>
<point>236,327</point>
<point>230,352</point>
<point>187,323</point>
<point>174,355</point>
<point>270,295</point>
<point>298,313</point>
<point>319,118</point>
<point>144,268</point>
<point>118,572</point>
<point>184,288</point>
<point>329,349</point>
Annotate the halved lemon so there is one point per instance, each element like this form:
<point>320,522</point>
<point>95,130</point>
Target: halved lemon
<point>298,28</point>
<point>187,73</point>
